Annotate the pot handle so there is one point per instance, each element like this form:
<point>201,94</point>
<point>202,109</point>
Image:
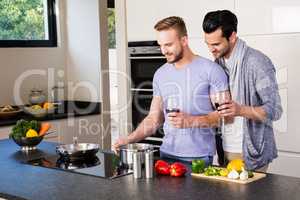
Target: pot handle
<point>61,151</point>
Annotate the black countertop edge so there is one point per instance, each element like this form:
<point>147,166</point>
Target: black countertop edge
<point>67,109</point>
<point>10,197</point>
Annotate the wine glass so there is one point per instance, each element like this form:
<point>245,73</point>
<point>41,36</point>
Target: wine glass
<point>172,104</point>
<point>222,98</point>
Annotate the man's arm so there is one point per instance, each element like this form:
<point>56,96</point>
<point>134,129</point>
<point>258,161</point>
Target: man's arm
<point>266,88</point>
<point>147,127</point>
<point>151,123</point>
<point>232,109</point>
<point>184,120</point>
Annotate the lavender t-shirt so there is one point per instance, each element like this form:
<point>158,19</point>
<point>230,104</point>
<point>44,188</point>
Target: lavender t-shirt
<point>191,86</point>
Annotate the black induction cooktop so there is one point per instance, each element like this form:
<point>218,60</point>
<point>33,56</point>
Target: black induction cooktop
<point>103,164</point>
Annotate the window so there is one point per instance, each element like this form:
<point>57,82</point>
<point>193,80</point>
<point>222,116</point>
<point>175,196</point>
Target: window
<point>111,24</point>
<point>28,23</point>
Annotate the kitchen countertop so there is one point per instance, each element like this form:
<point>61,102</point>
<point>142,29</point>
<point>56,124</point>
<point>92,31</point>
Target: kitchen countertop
<point>65,110</point>
<point>29,182</point>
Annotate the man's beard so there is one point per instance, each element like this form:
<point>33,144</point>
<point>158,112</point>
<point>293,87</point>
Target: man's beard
<point>223,53</point>
<point>178,57</point>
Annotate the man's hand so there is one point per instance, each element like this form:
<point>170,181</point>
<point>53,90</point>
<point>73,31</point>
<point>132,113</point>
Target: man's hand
<point>230,109</point>
<point>233,109</point>
<point>120,142</point>
<point>180,119</point>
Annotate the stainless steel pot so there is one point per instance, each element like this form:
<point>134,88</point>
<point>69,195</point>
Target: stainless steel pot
<point>127,151</point>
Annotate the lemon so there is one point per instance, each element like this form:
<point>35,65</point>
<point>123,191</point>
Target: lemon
<point>224,172</point>
<point>236,164</point>
<point>31,133</point>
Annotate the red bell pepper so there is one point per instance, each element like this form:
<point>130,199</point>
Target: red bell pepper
<point>177,169</point>
<point>162,167</point>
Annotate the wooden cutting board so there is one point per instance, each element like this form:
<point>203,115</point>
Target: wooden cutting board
<point>256,176</point>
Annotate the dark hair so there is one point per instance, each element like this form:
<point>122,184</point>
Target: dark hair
<point>223,19</point>
<point>173,22</point>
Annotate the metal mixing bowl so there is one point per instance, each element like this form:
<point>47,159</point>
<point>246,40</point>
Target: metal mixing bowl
<point>28,143</point>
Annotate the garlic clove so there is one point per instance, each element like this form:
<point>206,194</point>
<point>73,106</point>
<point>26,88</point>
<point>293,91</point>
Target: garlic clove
<point>244,175</point>
<point>233,174</point>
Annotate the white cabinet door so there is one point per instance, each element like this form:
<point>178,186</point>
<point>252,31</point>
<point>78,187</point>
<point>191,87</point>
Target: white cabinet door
<point>267,17</point>
<point>287,164</point>
<point>142,15</point>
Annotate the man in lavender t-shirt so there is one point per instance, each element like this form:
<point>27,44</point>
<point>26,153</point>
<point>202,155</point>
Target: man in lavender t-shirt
<point>191,87</point>
<point>191,80</point>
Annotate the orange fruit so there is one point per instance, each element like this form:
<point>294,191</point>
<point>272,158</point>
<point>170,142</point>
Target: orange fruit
<point>48,105</point>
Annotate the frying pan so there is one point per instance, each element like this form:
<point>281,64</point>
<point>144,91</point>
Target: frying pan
<point>77,150</point>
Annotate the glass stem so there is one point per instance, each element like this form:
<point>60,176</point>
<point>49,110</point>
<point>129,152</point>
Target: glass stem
<point>223,125</point>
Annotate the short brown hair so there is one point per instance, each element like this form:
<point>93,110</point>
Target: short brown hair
<point>173,22</point>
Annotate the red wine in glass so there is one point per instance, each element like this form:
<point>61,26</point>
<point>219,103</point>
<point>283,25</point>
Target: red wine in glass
<point>172,105</point>
<point>169,110</point>
<point>220,99</point>
<point>217,105</point>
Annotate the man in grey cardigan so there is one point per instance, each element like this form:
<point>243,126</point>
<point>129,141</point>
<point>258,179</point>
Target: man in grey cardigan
<point>255,100</point>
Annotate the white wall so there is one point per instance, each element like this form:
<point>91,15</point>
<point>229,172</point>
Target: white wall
<point>15,62</point>
<point>83,50</point>
<point>87,58</point>
<point>75,61</point>
<point>271,26</point>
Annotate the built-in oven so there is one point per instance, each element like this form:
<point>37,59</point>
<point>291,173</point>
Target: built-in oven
<point>145,58</point>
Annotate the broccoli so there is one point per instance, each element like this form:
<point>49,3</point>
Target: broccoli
<point>22,126</point>
<point>33,124</point>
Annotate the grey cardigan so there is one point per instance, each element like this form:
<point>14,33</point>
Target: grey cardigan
<point>260,89</point>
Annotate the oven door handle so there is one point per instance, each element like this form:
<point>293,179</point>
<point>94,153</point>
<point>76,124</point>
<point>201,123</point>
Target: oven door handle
<point>141,90</point>
<point>147,57</point>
